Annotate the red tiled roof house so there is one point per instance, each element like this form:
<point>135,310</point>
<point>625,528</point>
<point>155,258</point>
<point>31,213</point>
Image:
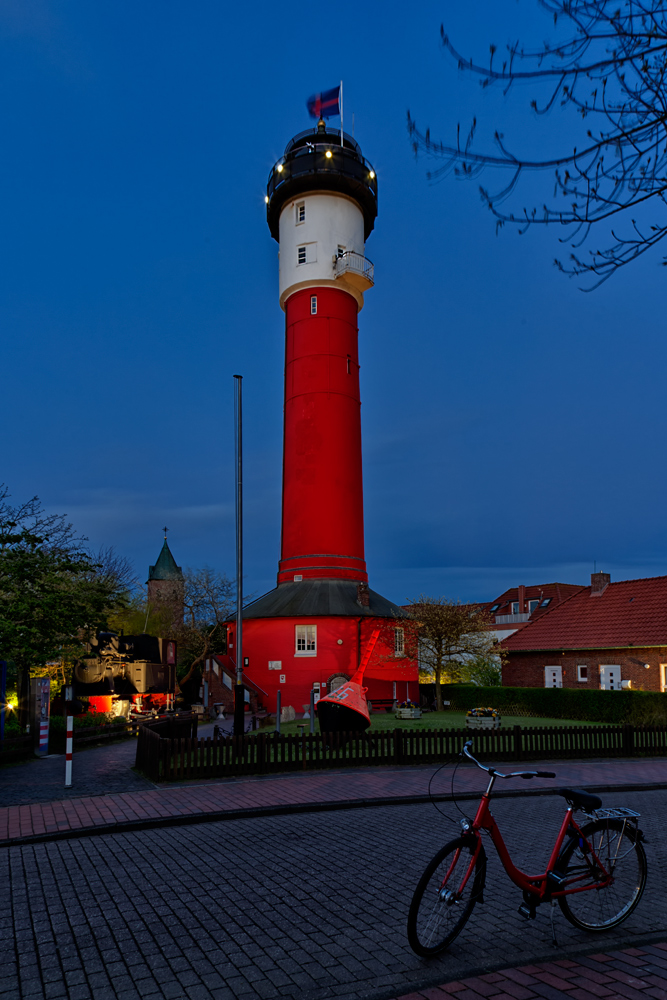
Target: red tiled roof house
<point>608,635</point>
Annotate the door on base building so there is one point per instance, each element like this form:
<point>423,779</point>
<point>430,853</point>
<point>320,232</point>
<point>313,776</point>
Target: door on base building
<point>663,677</point>
<point>610,677</point>
<point>553,677</point>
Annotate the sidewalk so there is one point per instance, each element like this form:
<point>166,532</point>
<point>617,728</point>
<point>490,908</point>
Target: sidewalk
<point>630,974</point>
<point>236,798</point>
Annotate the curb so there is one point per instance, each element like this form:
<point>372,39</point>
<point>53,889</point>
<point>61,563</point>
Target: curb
<point>133,826</point>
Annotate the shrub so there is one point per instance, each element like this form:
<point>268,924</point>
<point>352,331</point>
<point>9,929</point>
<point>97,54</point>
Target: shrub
<point>588,704</point>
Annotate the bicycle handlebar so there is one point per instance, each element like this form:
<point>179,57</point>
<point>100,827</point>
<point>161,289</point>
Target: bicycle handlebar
<point>515,774</point>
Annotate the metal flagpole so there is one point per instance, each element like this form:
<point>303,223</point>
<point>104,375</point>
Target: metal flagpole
<point>341,112</point>
<point>239,701</point>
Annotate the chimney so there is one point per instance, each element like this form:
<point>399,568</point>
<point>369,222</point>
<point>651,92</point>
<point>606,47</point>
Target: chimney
<point>522,599</point>
<point>363,599</point>
<point>599,583</point>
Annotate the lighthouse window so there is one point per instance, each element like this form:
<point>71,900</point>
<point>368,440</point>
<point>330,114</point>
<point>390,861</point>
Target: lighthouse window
<point>313,305</point>
<point>300,213</point>
<point>341,250</point>
<point>301,255</point>
<point>306,640</point>
<point>348,364</point>
<point>399,641</point>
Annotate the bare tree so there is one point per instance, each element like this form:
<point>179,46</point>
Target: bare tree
<point>611,71</point>
<point>448,633</point>
<point>209,602</point>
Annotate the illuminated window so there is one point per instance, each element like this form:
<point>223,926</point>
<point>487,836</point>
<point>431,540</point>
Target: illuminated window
<point>300,213</point>
<point>301,255</point>
<point>399,641</point>
<point>313,305</point>
<point>305,640</point>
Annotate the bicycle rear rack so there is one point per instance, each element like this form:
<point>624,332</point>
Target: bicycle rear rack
<point>614,812</point>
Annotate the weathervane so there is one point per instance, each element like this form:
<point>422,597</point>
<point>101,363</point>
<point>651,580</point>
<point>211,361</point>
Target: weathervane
<point>165,533</point>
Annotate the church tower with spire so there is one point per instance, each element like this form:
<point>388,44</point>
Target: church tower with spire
<point>166,584</point>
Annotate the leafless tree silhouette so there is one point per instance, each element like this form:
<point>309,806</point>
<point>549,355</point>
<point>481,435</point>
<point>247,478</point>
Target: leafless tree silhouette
<point>612,71</point>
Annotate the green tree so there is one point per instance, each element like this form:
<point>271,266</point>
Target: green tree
<point>484,670</point>
<point>449,634</point>
<point>53,593</point>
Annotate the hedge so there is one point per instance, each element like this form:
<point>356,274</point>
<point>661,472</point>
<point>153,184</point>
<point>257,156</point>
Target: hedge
<point>587,704</point>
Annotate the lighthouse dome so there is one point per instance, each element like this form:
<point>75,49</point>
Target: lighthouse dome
<point>315,160</point>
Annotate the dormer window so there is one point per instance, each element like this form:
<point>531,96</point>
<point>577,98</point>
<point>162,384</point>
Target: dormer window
<point>515,608</point>
<point>533,606</point>
<point>300,212</point>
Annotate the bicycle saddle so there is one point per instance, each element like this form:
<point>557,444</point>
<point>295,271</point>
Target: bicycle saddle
<point>580,799</point>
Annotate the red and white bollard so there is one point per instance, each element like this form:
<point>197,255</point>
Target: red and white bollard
<point>69,725</point>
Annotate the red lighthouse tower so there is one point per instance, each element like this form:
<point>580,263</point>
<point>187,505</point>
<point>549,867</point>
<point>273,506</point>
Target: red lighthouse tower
<point>311,630</point>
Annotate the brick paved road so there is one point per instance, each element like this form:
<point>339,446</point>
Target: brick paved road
<point>628,974</point>
<point>312,906</point>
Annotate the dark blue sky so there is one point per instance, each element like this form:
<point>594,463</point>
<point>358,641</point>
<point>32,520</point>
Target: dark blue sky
<point>513,426</point>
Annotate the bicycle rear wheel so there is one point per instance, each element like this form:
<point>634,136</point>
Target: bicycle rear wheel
<point>621,853</point>
<point>440,909</point>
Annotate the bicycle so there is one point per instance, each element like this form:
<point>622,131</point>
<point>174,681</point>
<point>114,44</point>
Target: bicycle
<point>596,872</point>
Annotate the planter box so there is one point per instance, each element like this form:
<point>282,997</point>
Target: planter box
<point>482,723</point>
<point>408,713</point>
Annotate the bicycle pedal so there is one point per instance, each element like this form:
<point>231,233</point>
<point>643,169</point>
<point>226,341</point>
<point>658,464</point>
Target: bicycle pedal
<point>527,912</point>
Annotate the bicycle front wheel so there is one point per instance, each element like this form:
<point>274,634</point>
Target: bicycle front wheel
<point>443,899</point>
<point>620,851</point>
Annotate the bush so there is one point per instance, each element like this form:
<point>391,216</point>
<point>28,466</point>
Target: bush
<point>588,704</point>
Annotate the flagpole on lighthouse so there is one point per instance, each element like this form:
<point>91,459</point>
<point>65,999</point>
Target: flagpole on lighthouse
<point>341,112</point>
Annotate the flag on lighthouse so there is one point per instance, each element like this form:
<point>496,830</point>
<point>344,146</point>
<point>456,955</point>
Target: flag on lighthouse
<point>324,105</point>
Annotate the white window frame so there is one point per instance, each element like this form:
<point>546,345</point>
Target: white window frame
<point>399,642</point>
<point>305,636</point>
<point>583,679</point>
<point>301,251</point>
<point>515,608</point>
<point>533,605</point>
<point>300,213</point>
<point>313,305</point>
<point>340,250</point>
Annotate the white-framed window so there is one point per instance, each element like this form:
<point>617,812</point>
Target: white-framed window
<point>582,673</point>
<point>301,255</point>
<point>305,640</point>
<point>532,606</point>
<point>399,641</point>
<point>300,212</point>
<point>313,305</point>
<point>515,608</point>
<point>341,250</point>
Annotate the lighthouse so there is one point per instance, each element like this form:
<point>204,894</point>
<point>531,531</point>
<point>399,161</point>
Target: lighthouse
<point>310,632</point>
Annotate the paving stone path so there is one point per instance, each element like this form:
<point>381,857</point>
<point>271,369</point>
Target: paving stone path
<point>628,974</point>
<point>312,906</point>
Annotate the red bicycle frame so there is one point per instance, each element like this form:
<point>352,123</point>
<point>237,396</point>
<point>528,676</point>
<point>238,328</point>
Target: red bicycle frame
<point>537,885</point>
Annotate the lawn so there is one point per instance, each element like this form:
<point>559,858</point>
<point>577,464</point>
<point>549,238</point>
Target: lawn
<point>438,720</point>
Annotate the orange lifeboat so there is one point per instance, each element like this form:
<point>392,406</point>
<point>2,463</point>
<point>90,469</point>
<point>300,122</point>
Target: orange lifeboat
<point>346,709</point>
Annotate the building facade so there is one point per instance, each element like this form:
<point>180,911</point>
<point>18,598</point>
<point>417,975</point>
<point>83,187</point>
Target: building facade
<point>609,636</point>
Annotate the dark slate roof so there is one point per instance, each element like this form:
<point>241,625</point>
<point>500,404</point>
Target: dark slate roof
<point>320,598</point>
<point>165,568</point>
<point>628,613</point>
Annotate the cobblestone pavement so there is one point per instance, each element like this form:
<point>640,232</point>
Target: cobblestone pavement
<point>627,974</point>
<point>311,906</point>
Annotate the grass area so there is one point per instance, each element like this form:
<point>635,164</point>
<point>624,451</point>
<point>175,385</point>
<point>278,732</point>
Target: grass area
<point>439,720</point>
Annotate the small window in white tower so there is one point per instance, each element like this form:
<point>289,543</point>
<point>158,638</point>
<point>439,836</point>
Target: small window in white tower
<point>301,255</point>
<point>300,213</point>
<point>341,250</point>
<point>305,640</point>
<point>313,305</point>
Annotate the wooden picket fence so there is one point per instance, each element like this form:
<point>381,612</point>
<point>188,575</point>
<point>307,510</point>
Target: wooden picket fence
<point>177,759</point>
